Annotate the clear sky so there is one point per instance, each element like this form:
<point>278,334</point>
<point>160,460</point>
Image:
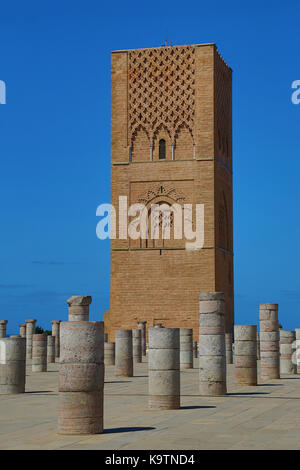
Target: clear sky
<point>55,145</point>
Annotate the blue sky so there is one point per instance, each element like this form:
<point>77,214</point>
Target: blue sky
<point>55,145</point>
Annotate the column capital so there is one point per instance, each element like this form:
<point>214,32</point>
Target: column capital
<point>79,300</point>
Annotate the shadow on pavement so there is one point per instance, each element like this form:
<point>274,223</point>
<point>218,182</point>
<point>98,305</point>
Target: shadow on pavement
<point>248,393</point>
<point>117,430</point>
<point>195,407</point>
<point>118,382</point>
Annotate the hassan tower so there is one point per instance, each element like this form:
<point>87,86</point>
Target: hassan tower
<point>171,143</point>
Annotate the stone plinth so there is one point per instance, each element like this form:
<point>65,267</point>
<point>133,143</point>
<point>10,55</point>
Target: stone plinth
<point>245,357</point>
<point>81,377</point>
<point>39,353</point>
<point>186,348</point>
<point>22,327</point>
<point>50,349</point>
<point>164,368</point>
<point>286,348</point>
<point>195,349</point>
<point>30,330</point>
<point>297,352</point>
<point>12,365</point>
<point>269,342</point>
<point>142,327</point>
<point>123,356</point>
<point>109,354</point>
<point>228,346</point>
<point>3,324</point>
<point>137,345</point>
<point>212,354</point>
<point>56,334</point>
<point>79,307</point>
<point>257,346</point>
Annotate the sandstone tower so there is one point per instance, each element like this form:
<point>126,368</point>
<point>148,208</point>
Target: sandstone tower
<point>171,142</point>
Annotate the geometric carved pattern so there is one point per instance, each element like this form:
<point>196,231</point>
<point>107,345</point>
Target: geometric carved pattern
<point>161,90</point>
<point>161,192</point>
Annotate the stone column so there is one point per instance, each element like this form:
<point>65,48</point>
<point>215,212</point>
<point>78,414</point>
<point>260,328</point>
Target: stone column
<point>50,349</point>
<point>123,358</point>
<point>79,307</point>
<point>12,365</point>
<point>269,341</point>
<point>22,330</point>
<point>3,324</point>
<point>109,354</point>
<point>142,327</point>
<point>137,345</point>
<point>257,346</point>
<point>164,368</point>
<point>287,339</point>
<point>195,349</point>
<point>30,329</point>
<point>212,354</point>
<point>81,377</point>
<point>297,331</point>
<point>39,353</point>
<point>55,333</point>
<point>186,348</point>
<point>245,357</point>
<point>228,344</point>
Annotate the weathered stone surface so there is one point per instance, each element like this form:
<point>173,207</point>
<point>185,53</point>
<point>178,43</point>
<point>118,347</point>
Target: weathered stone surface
<point>12,365</point>
<point>3,324</point>
<point>79,307</point>
<point>164,372</point>
<point>22,330</point>
<point>79,300</point>
<point>30,329</point>
<point>109,354</point>
<point>269,341</point>
<point>137,345</point>
<point>39,353</point>
<point>228,347</point>
<point>81,378</point>
<point>186,348</point>
<point>123,353</point>
<point>141,284</point>
<point>50,349</point>
<point>287,362</point>
<point>56,334</point>
<point>245,354</point>
<point>212,350</point>
<point>142,327</point>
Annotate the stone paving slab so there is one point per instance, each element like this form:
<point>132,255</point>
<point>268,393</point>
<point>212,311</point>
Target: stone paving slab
<point>262,417</point>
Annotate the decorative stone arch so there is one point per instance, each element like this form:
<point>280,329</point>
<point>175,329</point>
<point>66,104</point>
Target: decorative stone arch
<point>159,194</point>
<point>163,222</point>
<point>184,143</point>
<point>140,145</point>
<point>162,133</point>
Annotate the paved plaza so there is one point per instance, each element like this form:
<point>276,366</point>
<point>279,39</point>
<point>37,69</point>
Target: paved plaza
<point>262,417</point>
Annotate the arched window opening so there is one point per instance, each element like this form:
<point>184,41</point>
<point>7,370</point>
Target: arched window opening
<point>162,149</point>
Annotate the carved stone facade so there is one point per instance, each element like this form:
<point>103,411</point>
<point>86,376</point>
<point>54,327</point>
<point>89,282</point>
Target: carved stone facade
<point>161,91</point>
<point>171,143</point>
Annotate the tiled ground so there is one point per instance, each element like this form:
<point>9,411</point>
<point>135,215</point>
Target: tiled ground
<point>262,417</point>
